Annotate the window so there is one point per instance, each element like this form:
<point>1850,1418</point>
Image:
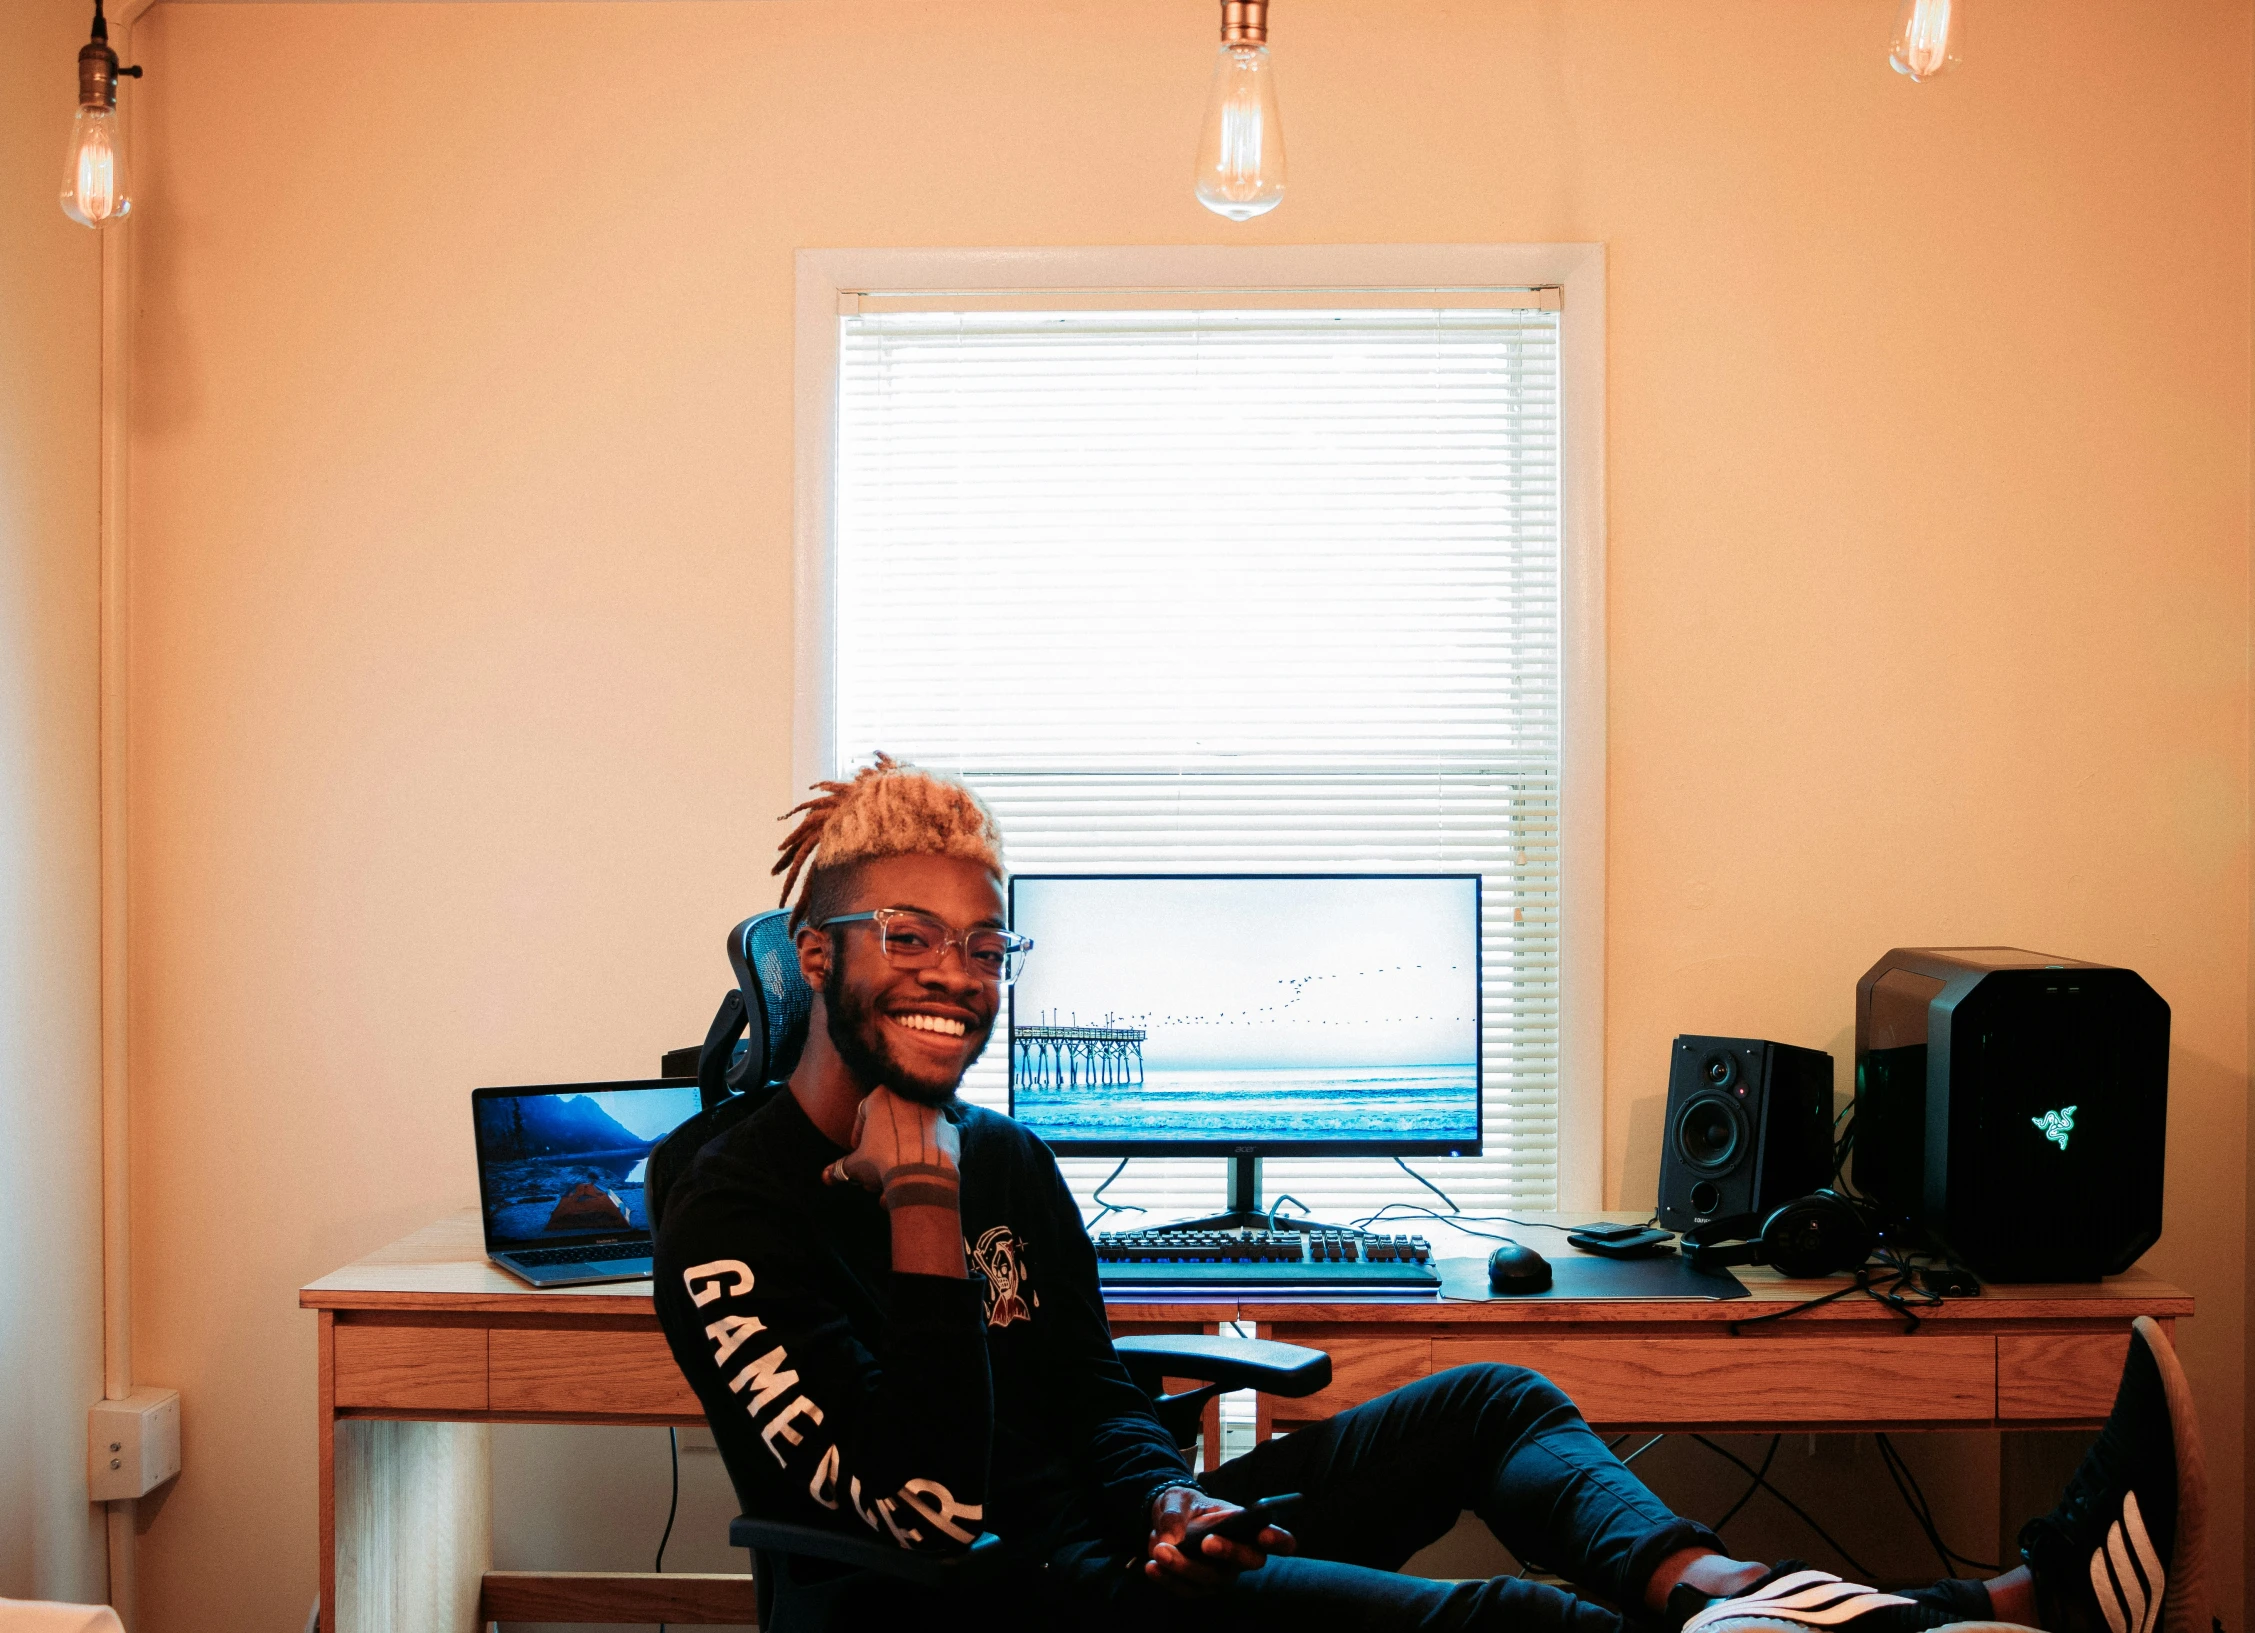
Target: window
<point>1227,580</point>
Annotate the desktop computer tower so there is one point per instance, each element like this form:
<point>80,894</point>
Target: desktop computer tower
<point>2011,1107</point>
<point>1749,1129</point>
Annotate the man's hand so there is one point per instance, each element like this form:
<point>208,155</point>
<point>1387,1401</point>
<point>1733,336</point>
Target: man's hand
<point>1190,1569</point>
<point>909,1153</point>
<point>899,1142</point>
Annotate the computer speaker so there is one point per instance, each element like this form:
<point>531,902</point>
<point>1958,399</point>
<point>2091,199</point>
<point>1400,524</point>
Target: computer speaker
<point>1749,1128</point>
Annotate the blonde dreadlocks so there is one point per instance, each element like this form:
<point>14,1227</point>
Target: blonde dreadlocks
<point>891,808</point>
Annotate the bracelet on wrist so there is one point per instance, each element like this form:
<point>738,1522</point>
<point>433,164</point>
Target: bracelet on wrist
<point>922,1185</point>
<point>1151,1498</point>
<point>939,1173</point>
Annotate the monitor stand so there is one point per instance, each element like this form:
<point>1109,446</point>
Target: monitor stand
<point>1245,1211</point>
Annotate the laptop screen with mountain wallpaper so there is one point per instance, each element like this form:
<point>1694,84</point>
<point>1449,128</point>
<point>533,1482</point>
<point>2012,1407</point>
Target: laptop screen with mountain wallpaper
<point>563,1162</point>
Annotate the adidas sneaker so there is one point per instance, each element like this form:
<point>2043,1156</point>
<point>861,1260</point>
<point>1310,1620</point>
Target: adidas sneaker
<point>2123,1551</point>
<point>1792,1597</point>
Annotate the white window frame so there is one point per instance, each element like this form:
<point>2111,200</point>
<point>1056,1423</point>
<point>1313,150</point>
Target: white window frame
<point>829,279</point>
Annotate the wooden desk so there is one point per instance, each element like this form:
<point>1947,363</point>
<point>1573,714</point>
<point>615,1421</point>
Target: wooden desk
<point>425,1343</point>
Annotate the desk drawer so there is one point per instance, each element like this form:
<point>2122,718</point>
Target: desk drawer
<point>1361,1369</point>
<point>404,1367</point>
<point>1710,1381</point>
<point>596,1374</point>
<point>2059,1375</point>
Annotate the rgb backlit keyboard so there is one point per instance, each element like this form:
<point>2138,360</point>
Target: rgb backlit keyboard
<point>1334,1260</point>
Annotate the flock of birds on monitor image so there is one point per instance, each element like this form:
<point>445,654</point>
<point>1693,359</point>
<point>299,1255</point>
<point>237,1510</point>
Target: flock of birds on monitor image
<point>1298,984</point>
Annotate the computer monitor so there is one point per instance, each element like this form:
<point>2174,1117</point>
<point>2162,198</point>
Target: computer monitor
<point>1248,1015</point>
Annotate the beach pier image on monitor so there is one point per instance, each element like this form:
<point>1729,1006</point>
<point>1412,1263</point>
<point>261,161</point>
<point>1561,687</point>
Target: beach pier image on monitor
<point>1073,1057</point>
<point>1287,1011</point>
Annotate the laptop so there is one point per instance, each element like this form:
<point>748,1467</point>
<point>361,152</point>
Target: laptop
<point>560,1169</point>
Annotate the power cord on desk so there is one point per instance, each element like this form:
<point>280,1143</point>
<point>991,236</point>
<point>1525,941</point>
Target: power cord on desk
<point>1403,1164</point>
<point>1105,1209</point>
<point>673,1447</point>
<point>1418,1210</point>
<point>1843,1143</point>
<point>1892,1295</point>
<point>1936,1269</point>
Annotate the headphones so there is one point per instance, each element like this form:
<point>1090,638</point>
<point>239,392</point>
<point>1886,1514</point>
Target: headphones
<point>1810,1236</point>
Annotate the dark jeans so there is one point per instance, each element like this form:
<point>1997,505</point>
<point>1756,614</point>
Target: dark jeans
<point>1380,1482</point>
<point>1391,1476</point>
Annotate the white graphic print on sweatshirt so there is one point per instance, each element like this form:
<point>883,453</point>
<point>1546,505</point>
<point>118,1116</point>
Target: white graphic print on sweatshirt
<point>767,1381</point>
<point>1010,1296</point>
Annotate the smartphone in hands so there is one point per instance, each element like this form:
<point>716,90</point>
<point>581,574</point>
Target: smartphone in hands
<point>1247,1524</point>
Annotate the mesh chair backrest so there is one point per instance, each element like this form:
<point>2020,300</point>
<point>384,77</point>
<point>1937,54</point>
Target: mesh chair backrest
<point>777,999</point>
<point>772,1004</point>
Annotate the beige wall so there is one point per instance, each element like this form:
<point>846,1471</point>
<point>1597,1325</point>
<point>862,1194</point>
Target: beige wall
<point>50,997</point>
<point>462,568</point>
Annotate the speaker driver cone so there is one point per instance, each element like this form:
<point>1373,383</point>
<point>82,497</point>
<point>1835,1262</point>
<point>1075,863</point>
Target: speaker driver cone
<point>1711,1134</point>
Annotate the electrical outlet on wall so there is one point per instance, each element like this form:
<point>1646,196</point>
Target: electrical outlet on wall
<point>132,1445</point>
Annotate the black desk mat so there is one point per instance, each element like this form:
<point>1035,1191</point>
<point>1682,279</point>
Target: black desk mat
<point>1579,1275</point>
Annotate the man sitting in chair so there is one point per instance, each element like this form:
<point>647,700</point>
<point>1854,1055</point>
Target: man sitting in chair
<point>888,1304</point>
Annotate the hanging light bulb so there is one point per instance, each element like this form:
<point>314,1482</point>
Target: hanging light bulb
<point>94,192</point>
<point>1241,151</point>
<point>1927,37</point>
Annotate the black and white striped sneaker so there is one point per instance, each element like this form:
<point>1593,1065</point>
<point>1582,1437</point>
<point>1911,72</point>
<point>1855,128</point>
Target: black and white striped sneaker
<point>1793,1597</point>
<point>2124,1550</point>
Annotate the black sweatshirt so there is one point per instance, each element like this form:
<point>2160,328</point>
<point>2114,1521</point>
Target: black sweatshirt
<point>922,1409</point>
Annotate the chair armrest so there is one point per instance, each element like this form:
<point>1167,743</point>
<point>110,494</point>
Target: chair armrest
<point>975,1564</point>
<point>1286,1370</point>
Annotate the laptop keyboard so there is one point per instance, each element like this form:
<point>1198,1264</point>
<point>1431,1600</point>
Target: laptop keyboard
<point>589,1253</point>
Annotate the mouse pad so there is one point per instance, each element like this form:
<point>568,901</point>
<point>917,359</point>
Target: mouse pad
<point>1588,1275</point>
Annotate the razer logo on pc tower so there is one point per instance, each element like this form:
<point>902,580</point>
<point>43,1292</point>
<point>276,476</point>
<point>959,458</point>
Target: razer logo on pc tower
<point>2057,1125</point>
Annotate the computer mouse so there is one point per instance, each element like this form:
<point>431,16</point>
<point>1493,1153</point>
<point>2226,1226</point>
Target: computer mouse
<point>1516,1269</point>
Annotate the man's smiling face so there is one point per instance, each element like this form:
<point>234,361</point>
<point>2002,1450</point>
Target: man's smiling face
<point>915,1031</point>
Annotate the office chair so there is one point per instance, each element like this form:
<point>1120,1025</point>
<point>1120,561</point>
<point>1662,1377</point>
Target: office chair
<point>749,1050</point>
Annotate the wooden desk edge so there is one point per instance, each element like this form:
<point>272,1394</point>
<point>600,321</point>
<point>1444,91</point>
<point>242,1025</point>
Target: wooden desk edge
<point>2157,1299</point>
<point>451,1249</point>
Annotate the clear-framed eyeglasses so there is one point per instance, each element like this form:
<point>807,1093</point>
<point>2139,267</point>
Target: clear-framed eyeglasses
<point>917,941</point>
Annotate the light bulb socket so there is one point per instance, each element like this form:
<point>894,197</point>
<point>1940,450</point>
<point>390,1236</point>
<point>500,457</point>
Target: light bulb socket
<point>1244,22</point>
<point>97,75</point>
<point>98,72</point>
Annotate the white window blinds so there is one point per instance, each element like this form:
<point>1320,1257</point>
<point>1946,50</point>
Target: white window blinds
<point>1232,589</point>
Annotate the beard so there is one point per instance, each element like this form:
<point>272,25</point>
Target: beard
<point>857,1032</point>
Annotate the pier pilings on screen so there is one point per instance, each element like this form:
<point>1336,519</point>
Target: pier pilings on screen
<point>1058,1057</point>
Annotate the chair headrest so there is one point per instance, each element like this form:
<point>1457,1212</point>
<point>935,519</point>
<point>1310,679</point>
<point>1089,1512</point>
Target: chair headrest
<point>771,1002</point>
<point>777,1000</point>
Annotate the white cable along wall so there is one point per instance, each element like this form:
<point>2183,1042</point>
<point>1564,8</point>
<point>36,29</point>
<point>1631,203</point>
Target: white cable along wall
<point>1246,588</point>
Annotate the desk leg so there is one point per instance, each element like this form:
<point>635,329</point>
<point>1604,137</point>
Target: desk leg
<point>413,1525</point>
<point>326,1368</point>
